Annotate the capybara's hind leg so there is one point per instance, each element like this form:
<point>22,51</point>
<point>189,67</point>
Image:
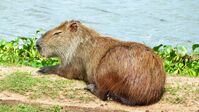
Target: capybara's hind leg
<point>121,99</point>
<point>102,94</point>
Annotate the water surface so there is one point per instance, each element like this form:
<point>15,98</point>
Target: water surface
<point>148,21</point>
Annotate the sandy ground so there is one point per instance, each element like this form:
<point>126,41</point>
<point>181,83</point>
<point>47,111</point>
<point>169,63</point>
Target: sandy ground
<point>191,104</point>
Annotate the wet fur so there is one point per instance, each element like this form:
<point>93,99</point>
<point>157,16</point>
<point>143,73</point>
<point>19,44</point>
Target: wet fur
<point>128,72</point>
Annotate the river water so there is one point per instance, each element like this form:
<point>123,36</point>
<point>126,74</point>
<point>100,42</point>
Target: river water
<point>148,21</point>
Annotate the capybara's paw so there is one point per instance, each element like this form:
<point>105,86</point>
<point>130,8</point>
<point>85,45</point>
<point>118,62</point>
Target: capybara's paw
<point>90,87</point>
<point>44,70</point>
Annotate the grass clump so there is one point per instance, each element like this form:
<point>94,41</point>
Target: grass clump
<point>49,88</point>
<point>178,94</point>
<point>43,87</point>
<point>34,87</point>
<point>19,82</point>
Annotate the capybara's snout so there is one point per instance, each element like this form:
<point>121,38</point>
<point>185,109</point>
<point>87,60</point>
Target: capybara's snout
<point>38,46</point>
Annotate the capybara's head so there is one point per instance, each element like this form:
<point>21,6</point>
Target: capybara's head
<point>54,41</point>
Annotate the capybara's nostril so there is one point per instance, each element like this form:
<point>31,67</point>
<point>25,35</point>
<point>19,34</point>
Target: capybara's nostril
<point>38,47</point>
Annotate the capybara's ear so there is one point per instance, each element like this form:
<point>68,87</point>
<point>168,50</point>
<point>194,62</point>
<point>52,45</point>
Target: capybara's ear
<point>73,26</point>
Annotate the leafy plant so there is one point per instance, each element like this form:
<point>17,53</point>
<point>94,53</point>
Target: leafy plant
<point>22,51</point>
<point>178,61</point>
<point>195,49</point>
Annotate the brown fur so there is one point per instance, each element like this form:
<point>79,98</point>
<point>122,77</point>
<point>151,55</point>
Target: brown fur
<point>126,71</point>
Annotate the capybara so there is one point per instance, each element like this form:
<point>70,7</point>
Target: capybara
<point>128,72</point>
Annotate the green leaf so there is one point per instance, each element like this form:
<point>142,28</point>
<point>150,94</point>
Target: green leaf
<point>182,50</point>
<point>156,48</point>
<point>194,46</point>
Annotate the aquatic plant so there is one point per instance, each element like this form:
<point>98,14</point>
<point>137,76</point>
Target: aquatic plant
<point>177,60</point>
<point>22,51</point>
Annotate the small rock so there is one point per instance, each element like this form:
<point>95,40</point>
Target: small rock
<point>101,105</point>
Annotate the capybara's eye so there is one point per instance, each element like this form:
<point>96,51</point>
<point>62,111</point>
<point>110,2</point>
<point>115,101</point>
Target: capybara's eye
<point>57,33</point>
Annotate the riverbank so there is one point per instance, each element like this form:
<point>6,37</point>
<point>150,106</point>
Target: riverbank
<point>23,85</point>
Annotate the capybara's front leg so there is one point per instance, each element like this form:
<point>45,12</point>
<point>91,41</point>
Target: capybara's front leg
<point>49,70</point>
<point>102,94</point>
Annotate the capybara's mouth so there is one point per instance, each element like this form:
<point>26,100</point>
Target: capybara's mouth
<point>42,54</point>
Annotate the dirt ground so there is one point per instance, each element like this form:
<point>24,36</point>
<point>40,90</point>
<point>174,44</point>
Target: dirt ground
<point>182,100</point>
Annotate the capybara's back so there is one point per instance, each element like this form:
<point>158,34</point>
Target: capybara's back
<point>132,74</point>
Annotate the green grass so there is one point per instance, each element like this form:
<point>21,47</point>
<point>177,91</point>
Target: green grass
<point>19,82</point>
<point>41,87</point>
<point>28,108</point>
<point>34,87</point>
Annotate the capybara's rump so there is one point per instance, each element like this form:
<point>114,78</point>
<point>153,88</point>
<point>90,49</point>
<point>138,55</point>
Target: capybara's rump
<point>131,72</point>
